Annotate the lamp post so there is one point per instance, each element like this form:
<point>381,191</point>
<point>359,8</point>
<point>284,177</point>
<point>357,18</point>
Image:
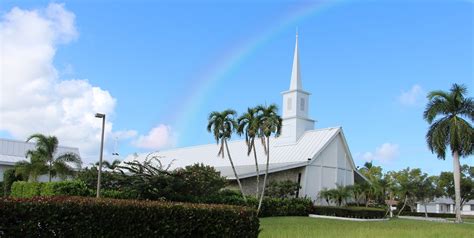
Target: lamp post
<point>100,115</point>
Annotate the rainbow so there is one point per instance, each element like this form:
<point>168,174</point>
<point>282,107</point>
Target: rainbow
<point>229,61</point>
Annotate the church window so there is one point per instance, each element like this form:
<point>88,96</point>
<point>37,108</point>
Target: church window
<point>289,104</point>
<point>302,104</point>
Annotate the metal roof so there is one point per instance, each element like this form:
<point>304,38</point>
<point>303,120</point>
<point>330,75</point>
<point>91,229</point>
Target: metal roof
<point>282,155</point>
<point>447,200</point>
<point>13,151</point>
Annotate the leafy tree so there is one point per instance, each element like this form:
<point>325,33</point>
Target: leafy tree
<point>270,124</point>
<point>283,189</point>
<point>449,115</point>
<point>44,158</point>
<point>406,183</point>
<point>200,180</point>
<point>427,191</point>
<point>373,189</point>
<point>222,125</point>
<point>249,125</point>
<point>445,184</point>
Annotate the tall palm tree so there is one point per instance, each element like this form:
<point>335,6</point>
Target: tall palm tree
<point>222,125</point>
<point>46,148</point>
<point>448,114</point>
<point>249,125</point>
<point>270,124</point>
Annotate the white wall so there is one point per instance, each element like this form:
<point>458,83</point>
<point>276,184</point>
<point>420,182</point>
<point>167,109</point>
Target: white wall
<point>332,166</point>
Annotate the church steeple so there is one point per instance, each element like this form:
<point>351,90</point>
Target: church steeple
<point>295,105</point>
<point>295,83</point>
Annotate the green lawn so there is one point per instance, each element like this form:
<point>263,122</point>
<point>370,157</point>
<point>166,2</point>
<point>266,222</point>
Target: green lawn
<point>314,227</point>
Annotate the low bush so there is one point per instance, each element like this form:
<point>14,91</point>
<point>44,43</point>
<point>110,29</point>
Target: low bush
<point>270,206</point>
<point>352,212</point>
<point>21,189</point>
<point>422,214</point>
<point>71,188</point>
<point>89,217</point>
<point>9,177</point>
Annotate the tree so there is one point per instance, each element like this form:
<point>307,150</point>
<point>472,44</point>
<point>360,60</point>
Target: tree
<point>270,124</point>
<point>445,184</point>
<point>426,191</point>
<point>341,194</point>
<point>448,114</point>
<point>326,194</point>
<point>249,125</point>
<point>44,159</point>
<point>222,125</point>
<point>373,188</point>
<point>406,183</point>
<point>283,189</point>
<point>108,165</point>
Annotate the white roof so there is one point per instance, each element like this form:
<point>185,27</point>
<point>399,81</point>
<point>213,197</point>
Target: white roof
<point>282,156</point>
<point>13,151</point>
<point>447,200</point>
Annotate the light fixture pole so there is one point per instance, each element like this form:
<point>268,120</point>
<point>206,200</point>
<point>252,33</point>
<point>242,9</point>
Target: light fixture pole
<point>100,115</point>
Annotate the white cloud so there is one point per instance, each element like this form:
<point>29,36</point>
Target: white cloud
<point>33,98</point>
<point>158,137</point>
<point>412,96</point>
<point>384,153</point>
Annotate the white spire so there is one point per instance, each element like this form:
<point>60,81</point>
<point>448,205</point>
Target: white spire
<point>295,73</point>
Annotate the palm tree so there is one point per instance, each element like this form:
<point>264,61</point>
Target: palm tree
<point>270,124</point>
<point>448,114</point>
<point>341,194</point>
<point>249,125</point>
<point>222,125</point>
<point>45,151</point>
<point>109,165</point>
<point>32,169</point>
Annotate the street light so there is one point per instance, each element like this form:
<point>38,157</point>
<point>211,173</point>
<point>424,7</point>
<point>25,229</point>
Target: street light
<point>100,115</point>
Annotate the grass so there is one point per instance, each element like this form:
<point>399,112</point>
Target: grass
<point>315,227</point>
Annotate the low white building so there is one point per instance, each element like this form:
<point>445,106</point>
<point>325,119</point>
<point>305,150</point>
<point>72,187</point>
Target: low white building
<point>315,158</point>
<point>445,205</point>
<point>13,151</point>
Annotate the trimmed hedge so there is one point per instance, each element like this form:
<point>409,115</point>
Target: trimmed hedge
<point>422,214</point>
<point>352,212</point>
<point>270,206</point>
<point>22,189</point>
<point>89,217</point>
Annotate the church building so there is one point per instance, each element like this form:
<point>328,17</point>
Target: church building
<point>316,158</point>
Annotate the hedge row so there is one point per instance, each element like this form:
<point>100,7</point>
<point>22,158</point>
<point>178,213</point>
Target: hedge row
<point>349,212</point>
<point>22,189</point>
<point>422,214</point>
<point>89,217</point>
<point>270,206</point>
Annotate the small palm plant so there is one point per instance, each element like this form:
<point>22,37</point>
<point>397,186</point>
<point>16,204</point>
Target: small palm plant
<point>448,114</point>
<point>45,153</point>
<point>222,125</point>
<point>32,169</point>
<point>249,125</point>
<point>270,124</point>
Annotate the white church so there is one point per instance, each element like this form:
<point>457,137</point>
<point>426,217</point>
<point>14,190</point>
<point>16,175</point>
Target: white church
<point>315,158</point>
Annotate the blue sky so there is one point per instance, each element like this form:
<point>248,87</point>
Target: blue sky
<point>368,65</point>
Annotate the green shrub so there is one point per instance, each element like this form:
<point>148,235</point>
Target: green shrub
<point>70,188</point>
<point>21,189</point>
<point>352,212</point>
<point>89,217</point>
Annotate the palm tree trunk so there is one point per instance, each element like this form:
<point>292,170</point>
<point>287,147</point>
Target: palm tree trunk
<point>49,171</point>
<point>457,186</point>
<point>265,177</point>
<point>404,204</point>
<point>256,167</point>
<point>235,172</point>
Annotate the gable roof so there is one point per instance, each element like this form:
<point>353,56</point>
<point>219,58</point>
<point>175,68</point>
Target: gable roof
<point>13,151</point>
<point>282,155</point>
